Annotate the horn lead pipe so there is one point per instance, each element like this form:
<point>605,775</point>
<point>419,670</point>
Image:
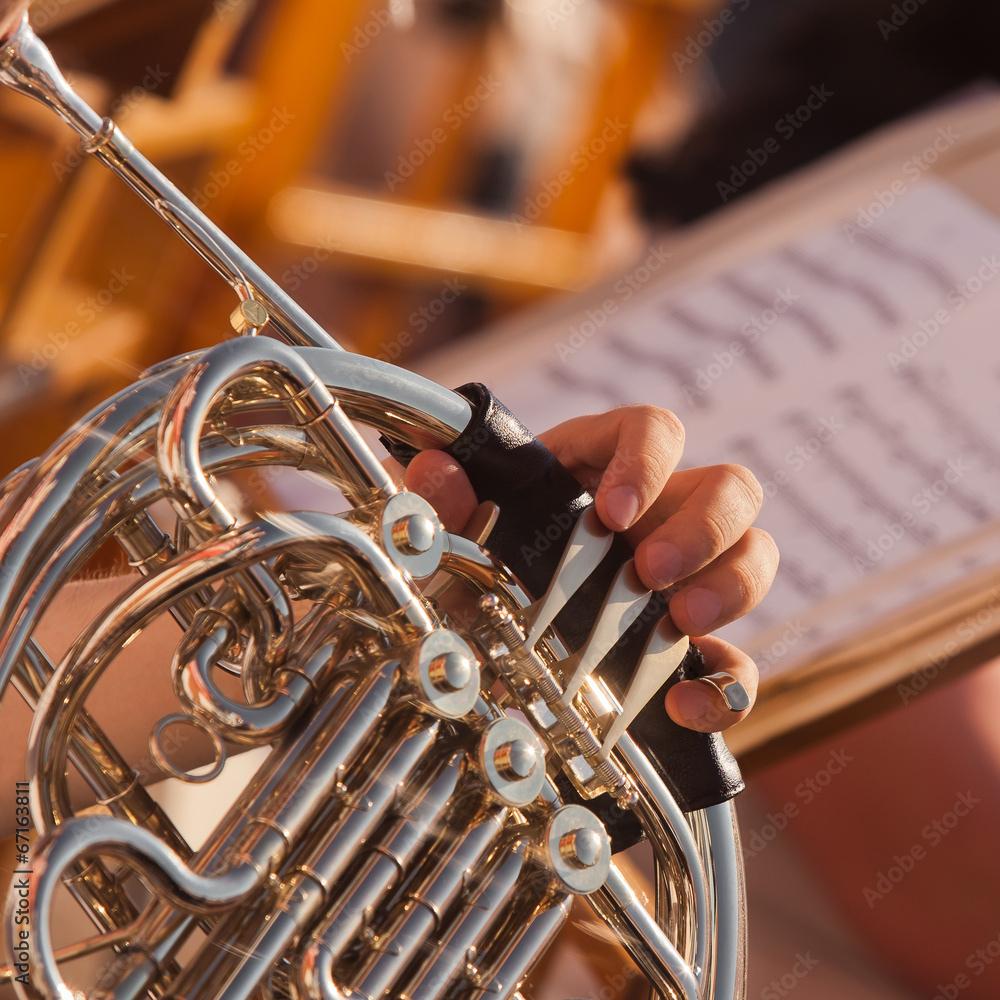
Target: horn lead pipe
<point>27,66</point>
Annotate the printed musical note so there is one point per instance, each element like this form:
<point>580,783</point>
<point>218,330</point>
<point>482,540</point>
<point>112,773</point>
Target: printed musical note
<point>854,371</point>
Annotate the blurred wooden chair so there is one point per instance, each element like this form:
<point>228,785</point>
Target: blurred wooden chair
<point>87,273</point>
<point>293,123</point>
<point>389,225</point>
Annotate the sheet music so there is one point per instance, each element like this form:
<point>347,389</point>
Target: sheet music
<point>855,370</point>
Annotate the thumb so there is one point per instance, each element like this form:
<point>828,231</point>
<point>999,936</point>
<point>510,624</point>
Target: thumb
<point>438,478</point>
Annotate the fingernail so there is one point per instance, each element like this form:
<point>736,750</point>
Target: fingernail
<point>693,702</point>
<point>664,562</point>
<point>703,606</point>
<point>622,504</point>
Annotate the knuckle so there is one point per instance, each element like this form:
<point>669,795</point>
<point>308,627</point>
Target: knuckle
<point>724,522</point>
<point>764,540</point>
<point>716,532</point>
<point>668,422</point>
<point>754,577</point>
<point>655,419</point>
<point>745,484</point>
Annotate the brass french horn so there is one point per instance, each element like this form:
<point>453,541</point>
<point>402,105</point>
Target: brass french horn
<point>442,782</point>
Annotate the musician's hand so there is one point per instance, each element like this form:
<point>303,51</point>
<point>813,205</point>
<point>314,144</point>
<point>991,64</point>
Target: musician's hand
<point>11,12</point>
<point>691,531</point>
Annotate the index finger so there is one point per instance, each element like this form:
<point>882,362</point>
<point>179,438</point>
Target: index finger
<point>633,450</point>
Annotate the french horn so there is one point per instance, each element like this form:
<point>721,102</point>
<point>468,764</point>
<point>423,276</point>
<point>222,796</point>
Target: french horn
<point>463,731</point>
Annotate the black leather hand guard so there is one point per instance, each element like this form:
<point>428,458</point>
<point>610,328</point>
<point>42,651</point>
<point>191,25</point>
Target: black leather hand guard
<point>539,503</point>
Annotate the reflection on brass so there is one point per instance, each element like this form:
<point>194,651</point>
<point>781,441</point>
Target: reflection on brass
<point>248,317</point>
